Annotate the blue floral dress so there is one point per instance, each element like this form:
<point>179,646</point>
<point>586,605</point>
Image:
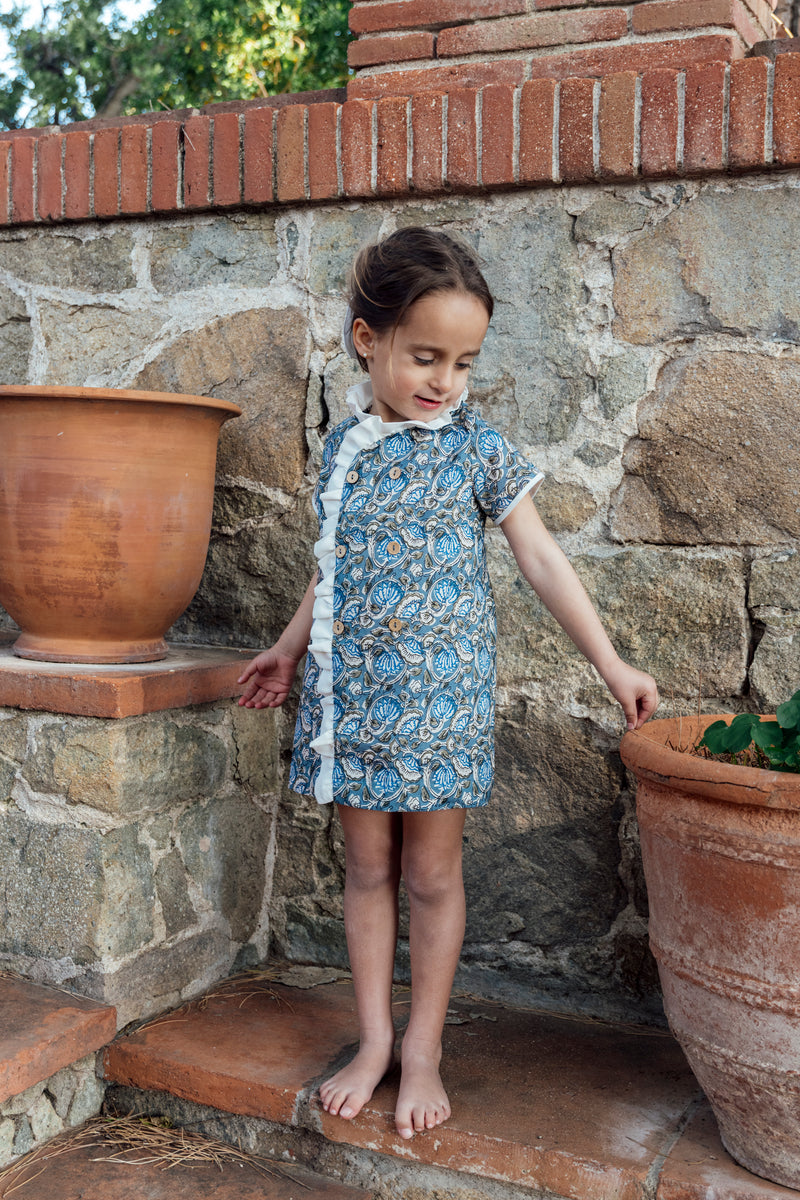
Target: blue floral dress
<point>397,706</point>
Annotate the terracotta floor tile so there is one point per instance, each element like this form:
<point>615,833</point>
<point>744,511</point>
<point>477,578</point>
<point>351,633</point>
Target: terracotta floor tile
<point>700,1168</point>
<point>43,1030</point>
<point>84,1173</point>
<point>581,1108</point>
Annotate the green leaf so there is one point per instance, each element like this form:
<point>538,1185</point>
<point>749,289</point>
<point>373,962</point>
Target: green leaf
<point>788,714</point>
<point>721,738</point>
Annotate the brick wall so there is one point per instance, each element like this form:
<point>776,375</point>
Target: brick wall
<point>404,46</point>
<point>626,125</point>
<point>496,94</point>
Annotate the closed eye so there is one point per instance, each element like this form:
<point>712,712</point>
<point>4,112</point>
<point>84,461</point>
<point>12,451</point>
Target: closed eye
<point>423,362</point>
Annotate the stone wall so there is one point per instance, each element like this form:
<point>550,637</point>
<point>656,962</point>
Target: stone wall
<point>64,1101</point>
<point>644,352</point>
<point>136,855</point>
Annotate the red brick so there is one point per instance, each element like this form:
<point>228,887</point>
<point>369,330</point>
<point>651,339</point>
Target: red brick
<point>536,129</point>
<point>462,138</point>
<point>497,135</point>
<point>747,112</point>
<point>5,179</point>
<point>258,155</point>
<point>133,169</point>
<point>398,47</point>
<point>416,14</point>
<point>544,29</point>
<point>392,118</point>
<point>49,194</point>
<point>165,152</point>
<point>659,129</point>
<point>106,172</point>
<point>786,106</point>
<point>196,149</point>
<point>427,159</point>
<point>290,153</point>
<point>617,125</point>
<point>77,157</point>
<point>704,118</point>
<point>438,79</point>
<point>22,154</point>
<point>227,165</point>
<point>357,148</point>
<point>576,130</point>
<point>323,167</point>
<point>641,56</point>
<point>664,16</point>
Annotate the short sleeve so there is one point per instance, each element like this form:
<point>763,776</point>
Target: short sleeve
<point>502,475</point>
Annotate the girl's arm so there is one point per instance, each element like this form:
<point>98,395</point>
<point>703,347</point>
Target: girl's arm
<point>547,570</point>
<point>271,673</point>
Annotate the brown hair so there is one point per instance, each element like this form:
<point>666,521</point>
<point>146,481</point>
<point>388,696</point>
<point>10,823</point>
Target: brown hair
<point>391,275</point>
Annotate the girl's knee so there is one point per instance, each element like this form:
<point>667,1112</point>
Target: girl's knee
<point>431,882</point>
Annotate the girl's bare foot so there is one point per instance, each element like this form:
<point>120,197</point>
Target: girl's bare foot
<point>346,1092</point>
<point>422,1101</point>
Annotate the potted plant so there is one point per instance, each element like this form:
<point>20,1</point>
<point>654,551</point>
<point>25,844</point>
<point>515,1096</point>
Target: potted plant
<point>721,853</point>
<point>105,514</point>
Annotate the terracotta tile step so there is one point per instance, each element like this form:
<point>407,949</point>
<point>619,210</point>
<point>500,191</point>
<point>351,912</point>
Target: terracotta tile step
<point>73,1169</point>
<point>579,1109</point>
<point>43,1030</point>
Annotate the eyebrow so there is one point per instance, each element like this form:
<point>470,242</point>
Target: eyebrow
<point>436,350</point>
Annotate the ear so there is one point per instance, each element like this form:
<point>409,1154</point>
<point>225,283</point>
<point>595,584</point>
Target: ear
<point>363,338</point>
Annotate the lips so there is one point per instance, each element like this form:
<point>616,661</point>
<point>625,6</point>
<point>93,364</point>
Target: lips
<point>426,403</point>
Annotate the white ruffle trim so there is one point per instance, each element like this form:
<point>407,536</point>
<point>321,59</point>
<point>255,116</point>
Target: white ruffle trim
<point>369,431</point>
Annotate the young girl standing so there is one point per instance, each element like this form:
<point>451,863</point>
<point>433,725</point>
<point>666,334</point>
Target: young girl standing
<point>396,715</point>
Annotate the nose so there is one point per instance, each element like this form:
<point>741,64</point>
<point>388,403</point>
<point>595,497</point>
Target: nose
<point>444,378</point>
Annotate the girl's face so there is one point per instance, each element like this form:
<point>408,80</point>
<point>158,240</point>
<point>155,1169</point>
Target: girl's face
<point>419,370</point>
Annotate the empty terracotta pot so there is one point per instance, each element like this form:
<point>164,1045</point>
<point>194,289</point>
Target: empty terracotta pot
<point>721,853</point>
<point>105,515</point>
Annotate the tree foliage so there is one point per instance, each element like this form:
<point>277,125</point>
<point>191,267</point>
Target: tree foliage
<point>83,60</point>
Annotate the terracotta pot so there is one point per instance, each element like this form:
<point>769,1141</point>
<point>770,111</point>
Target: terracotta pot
<point>721,852</point>
<point>105,515</point>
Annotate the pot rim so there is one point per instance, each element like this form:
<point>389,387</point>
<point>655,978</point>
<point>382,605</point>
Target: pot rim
<point>649,754</point>
<point>29,391</point>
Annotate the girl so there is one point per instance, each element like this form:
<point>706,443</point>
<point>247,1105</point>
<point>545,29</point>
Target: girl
<point>396,715</point>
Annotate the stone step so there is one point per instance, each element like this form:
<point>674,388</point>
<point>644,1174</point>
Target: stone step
<point>577,1109</point>
<point>43,1030</point>
<point>77,1167</point>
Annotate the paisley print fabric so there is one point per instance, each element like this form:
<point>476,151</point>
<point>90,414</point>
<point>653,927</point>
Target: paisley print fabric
<point>397,706</point>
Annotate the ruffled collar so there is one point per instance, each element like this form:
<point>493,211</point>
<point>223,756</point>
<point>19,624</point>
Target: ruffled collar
<point>359,398</point>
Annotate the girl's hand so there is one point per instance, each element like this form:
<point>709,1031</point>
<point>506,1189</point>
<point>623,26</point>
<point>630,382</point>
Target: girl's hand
<point>271,675</point>
<point>636,692</point>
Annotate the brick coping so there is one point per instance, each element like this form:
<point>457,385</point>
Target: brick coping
<point>627,126</point>
<point>189,675</point>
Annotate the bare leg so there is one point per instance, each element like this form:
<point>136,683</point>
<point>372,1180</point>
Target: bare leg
<point>432,871</point>
<point>372,855</point>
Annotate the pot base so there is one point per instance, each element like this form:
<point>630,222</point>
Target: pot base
<point>70,650</point>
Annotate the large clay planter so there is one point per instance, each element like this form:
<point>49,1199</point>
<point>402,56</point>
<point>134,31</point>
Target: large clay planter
<point>105,515</point>
<point>721,852</point>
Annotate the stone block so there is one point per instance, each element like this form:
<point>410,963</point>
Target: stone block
<point>224,844</point>
<point>214,252</point>
<point>12,749</point>
<point>83,264</point>
<point>257,359</point>
<point>173,894</point>
<point>775,605</point>
<point>73,892</point>
<point>93,343</point>
<point>623,380</point>
<point>675,613</point>
<point>715,459</point>
<point>45,1121</point>
<point>688,273</point>
<point>128,767</point>
<point>565,507</point>
<point>256,748</point>
<point>334,241</point>
<point>16,335</point>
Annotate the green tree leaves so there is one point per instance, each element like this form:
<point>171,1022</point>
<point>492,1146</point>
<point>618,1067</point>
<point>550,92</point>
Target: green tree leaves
<point>82,60</point>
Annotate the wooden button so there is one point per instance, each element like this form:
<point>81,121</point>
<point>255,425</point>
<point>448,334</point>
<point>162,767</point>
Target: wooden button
<point>338,627</point>
<point>395,473</point>
<point>393,547</point>
<point>395,624</point>
<point>341,551</point>
<point>352,477</point>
